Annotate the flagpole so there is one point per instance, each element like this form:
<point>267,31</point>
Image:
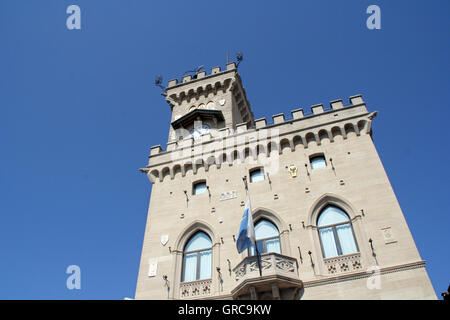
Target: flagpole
<point>258,257</point>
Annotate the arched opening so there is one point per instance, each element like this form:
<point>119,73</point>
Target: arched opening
<point>336,132</point>
<point>197,258</point>
<point>310,138</point>
<point>335,232</point>
<point>349,130</point>
<point>284,145</point>
<point>297,141</point>
<point>323,136</point>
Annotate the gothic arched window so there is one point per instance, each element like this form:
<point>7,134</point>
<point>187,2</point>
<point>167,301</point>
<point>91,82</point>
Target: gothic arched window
<point>197,258</point>
<point>267,238</point>
<point>335,232</point>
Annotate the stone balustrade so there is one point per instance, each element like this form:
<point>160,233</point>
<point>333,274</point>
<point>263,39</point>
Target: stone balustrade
<point>271,263</point>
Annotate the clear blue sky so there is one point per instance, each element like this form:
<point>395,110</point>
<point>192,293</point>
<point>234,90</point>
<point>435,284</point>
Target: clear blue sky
<point>79,112</point>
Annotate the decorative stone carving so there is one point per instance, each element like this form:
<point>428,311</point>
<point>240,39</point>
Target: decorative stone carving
<point>388,235</point>
<point>331,269</point>
<point>276,270</point>
<point>153,267</point>
<point>270,262</point>
<point>293,170</point>
<point>240,272</point>
<point>266,263</point>
<point>165,239</point>
<point>284,264</point>
<point>342,264</point>
<point>228,195</point>
<point>195,288</point>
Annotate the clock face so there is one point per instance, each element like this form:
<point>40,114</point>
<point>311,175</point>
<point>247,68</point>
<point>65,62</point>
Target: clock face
<point>198,131</point>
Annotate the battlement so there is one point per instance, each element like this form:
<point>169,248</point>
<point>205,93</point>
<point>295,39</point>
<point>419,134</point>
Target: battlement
<point>301,130</point>
<point>200,75</point>
<point>279,119</point>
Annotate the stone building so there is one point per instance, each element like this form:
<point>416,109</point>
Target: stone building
<point>328,224</point>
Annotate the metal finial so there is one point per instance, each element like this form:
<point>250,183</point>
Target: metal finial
<point>239,58</point>
<point>195,71</point>
<point>158,82</point>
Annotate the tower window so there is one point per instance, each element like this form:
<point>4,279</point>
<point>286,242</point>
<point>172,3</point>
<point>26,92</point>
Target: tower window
<point>335,233</point>
<point>318,162</point>
<point>267,238</point>
<point>199,188</point>
<point>197,258</point>
<point>256,175</point>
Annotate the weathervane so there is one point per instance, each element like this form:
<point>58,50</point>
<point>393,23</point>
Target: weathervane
<point>158,82</point>
<point>239,58</point>
<point>195,71</point>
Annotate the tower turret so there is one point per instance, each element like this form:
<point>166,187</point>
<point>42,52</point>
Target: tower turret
<point>205,103</point>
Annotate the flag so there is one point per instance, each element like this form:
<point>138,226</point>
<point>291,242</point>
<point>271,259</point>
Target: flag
<point>246,236</point>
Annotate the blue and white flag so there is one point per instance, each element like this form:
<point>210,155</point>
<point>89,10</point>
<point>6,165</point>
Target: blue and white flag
<point>246,235</point>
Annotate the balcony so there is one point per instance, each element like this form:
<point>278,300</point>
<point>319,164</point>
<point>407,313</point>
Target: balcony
<point>279,279</point>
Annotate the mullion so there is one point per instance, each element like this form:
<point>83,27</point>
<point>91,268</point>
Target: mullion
<point>336,240</point>
<point>197,276</point>
<point>197,271</point>
<point>264,243</point>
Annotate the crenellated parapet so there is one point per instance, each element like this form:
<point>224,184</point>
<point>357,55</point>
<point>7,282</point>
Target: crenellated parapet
<point>193,86</point>
<point>248,141</point>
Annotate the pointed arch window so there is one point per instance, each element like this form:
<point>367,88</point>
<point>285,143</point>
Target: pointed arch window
<point>267,238</point>
<point>197,258</point>
<point>336,232</point>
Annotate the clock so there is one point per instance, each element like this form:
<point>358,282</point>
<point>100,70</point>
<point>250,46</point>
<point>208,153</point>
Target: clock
<point>197,132</point>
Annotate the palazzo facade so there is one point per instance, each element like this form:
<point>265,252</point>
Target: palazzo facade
<point>328,224</point>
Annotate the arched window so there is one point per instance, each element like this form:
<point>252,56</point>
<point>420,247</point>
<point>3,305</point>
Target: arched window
<point>335,232</point>
<point>256,175</point>
<point>267,238</point>
<point>197,258</point>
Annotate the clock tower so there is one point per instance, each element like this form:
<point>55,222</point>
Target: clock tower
<point>205,104</point>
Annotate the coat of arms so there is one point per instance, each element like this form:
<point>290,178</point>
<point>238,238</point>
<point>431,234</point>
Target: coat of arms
<point>293,171</point>
<point>164,239</point>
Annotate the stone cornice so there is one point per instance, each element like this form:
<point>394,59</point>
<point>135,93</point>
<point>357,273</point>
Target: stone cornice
<point>363,274</point>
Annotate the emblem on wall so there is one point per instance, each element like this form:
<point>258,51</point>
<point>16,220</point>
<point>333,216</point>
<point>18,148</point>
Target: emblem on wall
<point>228,195</point>
<point>164,239</point>
<point>293,171</point>
<point>152,267</point>
<point>222,102</point>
